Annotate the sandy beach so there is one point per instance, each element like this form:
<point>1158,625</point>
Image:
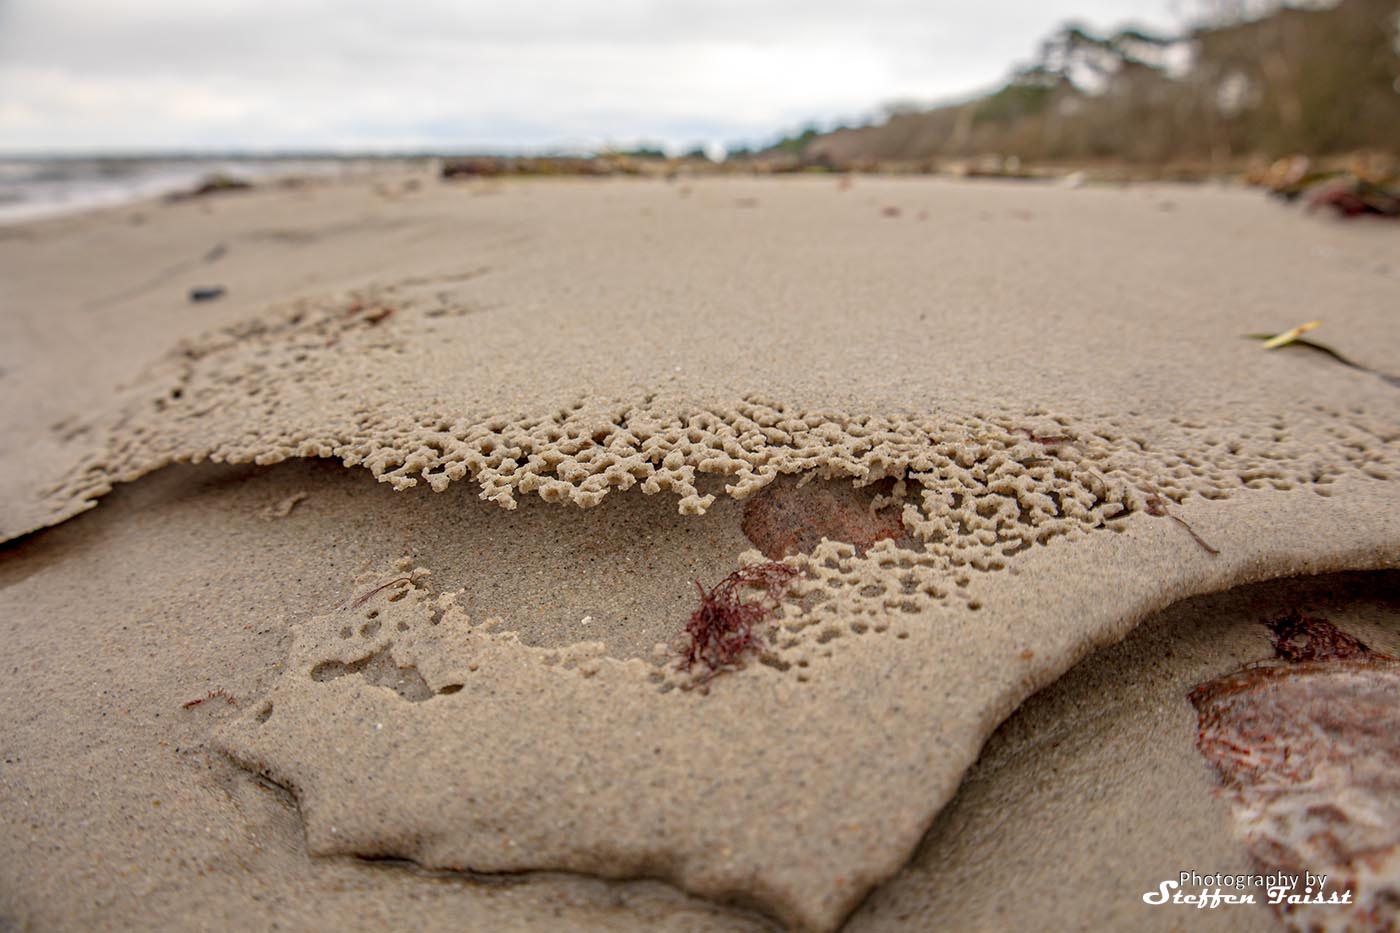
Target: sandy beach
<point>358,595</point>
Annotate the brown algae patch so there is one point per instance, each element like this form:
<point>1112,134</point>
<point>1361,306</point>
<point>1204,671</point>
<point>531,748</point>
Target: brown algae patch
<point>1308,751</point>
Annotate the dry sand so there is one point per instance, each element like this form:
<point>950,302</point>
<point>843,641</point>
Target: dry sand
<point>1048,387</point>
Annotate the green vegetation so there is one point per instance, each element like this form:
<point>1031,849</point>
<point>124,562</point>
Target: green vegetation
<point>795,144</point>
<point>1020,98</point>
<point>644,151</point>
<point>1321,80</point>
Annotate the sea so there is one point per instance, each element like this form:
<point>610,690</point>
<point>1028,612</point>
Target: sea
<point>32,188</point>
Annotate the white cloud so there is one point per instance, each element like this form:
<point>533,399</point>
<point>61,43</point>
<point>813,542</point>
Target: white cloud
<point>174,74</point>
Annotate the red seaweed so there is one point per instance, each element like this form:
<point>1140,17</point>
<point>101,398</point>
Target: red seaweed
<point>1298,637</point>
<point>217,694</point>
<point>723,628</point>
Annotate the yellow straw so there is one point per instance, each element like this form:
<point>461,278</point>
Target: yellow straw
<point>1289,336</point>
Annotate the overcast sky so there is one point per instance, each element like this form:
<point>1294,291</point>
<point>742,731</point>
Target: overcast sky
<point>144,75</point>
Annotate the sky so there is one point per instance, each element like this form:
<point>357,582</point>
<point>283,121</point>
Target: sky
<point>461,75</point>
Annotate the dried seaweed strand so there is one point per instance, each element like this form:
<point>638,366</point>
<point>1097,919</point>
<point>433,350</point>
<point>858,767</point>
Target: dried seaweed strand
<point>383,586</point>
<point>1323,348</point>
<point>1156,505</point>
<point>1290,335</point>
<point>211,695</point>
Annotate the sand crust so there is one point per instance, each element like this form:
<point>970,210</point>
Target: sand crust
<point>1066,451</point>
